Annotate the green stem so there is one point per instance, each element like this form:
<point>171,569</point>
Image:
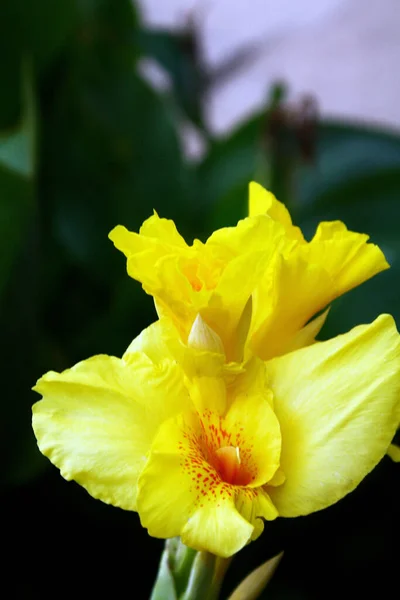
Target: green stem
<point>186,574</point>
<point>201,577</point>
<point>182,563</point>
<point>164,586</point>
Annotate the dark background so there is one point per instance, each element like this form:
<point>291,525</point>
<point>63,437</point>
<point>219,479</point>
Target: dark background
<point>86,143</point>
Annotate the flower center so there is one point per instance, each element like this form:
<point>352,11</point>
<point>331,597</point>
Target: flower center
<point>230,467</point>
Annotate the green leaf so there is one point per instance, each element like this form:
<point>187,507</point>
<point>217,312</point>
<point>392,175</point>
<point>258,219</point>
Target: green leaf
<point>18,280</point>
<point>36,30</point>
<point>119,160</point>
<point>110,154</point>
<point>164,587</point>
<point>201,577</point>
<point>224,174</point>
<point>17,164</point>
<point>178,55</point>
<point>347,156</point>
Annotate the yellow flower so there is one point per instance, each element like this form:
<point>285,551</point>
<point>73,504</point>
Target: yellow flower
<point>265,258</point>
<point>210,454</point>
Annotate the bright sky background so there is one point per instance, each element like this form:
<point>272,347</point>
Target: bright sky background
<point>344,52</point>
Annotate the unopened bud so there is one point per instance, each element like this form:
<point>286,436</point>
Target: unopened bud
<point>255,583</point>
<point>202,337</point>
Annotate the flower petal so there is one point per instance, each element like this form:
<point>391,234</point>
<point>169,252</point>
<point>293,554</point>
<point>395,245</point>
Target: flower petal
<point>338,404</point>
<point>217,528</point>
<point>255,506</point>
<point>226,304</point>
<point>252,234</point>
<point>314,273</point>
<point>255,430</point>
<point>271,260</point>
<point>204,371</point>
<point>169,491</point>
<point>208,393</point>
<point>345,255</point>
<point>154,341</point>
<point>248,250</point>
<point>97,420</point>
<point>308,333</point>
<point>163,230</point>
<point>296,290</point>
<point>157,241</point>
<point>155,233</point>
<point>263,202</point>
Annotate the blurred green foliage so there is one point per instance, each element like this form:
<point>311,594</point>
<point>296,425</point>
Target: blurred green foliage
<point>86,143</point>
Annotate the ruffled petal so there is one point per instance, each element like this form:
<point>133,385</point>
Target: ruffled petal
<point>345,255</point>
<point>253,234</point>
<point>156,256</point>
<point>263,202</point>
<point>338,404</point>
<point>163,230</point>
<point>155,233</point>
<point>97,420</point>
<point>200,279</point>
<point>296,290</point>
<point>288,279</point>
<point>305,280</point>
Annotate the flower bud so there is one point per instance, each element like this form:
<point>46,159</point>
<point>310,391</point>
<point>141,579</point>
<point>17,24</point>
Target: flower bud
<point>202,337</point>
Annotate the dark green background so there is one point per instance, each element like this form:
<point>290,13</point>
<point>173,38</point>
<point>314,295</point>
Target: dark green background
<point>86,143</point>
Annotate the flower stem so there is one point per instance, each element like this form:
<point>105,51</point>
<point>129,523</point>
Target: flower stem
<point>186,574</point>
<point>201,577</point>
<point>221,567</point>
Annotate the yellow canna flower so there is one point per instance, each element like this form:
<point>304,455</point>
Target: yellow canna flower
<point>210,454</point>
<point>265,258</point>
